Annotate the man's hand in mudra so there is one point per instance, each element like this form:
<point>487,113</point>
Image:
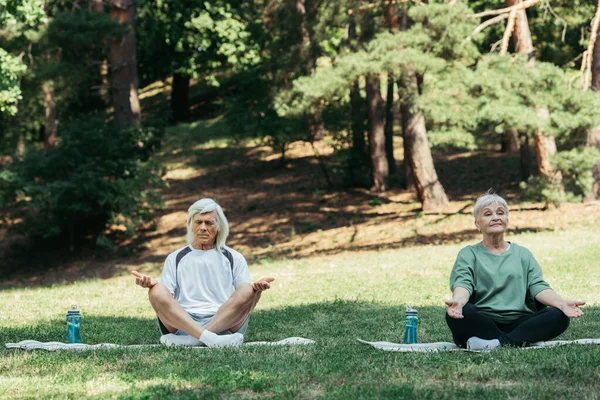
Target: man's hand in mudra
<point>144,281</point>
<point>262,284</point>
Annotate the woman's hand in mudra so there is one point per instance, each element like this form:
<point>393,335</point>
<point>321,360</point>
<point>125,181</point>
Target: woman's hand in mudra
<point>571,308</point>
<point>454,309</point>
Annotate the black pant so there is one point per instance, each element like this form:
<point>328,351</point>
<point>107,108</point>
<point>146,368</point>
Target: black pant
<point>541,326</point>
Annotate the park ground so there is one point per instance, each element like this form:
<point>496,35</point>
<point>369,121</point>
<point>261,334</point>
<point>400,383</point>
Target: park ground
<point>346,262</point>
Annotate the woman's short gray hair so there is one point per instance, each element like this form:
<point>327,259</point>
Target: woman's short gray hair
<point>204,206</point>
<point>487,199</point>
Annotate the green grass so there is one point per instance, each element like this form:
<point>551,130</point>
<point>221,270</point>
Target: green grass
<point>331,299</point>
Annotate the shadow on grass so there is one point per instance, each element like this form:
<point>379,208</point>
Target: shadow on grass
<point>467,177</point>
<point>269,206</point>
<point>334,323</point>
<point>337,366</point>
<point>417,239</point>
<point>19,278</point>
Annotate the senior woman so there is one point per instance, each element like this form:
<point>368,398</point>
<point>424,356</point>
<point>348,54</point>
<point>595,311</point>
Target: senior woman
<point>497,287</point>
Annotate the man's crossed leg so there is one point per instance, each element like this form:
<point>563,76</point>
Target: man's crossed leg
<point>230,316</point>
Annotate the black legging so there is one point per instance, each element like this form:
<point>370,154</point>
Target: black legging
<point>541,326</point>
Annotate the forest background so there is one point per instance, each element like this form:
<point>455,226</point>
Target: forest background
<point>347,106</point>
<point>346,141</point>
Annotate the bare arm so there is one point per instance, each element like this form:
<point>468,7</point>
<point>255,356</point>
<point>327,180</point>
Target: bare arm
<point>569,307</point>
<point>460,297</point>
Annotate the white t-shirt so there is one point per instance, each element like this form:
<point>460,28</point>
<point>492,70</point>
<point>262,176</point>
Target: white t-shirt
<point>204,278</point>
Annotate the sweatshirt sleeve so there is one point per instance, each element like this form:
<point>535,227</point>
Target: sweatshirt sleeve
<point>462,273</point>
<point>535,280</point>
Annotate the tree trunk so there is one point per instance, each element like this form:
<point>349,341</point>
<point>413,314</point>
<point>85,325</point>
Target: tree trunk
<point>525,156</point>
<point>180,98</point>
<point>545,148</point>
<point>20,149</point>
<point>357,117</point>
<point>521,34</point>
<point>124,66</point>
<point>510,141</point>
<point>596,59</point>
<point>594,140</point>
<point>50,123</point>
<point>389,124</point>
<point>409,182</point>
<point>104,91</point>
<point>429,189</point>
<point>308,54</point>
<point>96,5</point>
<point>594,134</point>
<point>523,45</point>
<point>390,114</point>
<point>405,115</point>
<point>377,134</point>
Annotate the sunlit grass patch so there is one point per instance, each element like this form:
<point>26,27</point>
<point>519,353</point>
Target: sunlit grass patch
<point>333,299</point>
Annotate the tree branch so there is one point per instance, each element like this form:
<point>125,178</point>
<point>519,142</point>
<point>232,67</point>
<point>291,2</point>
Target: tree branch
<point>487,23</point>
<point>510,26</point>
<point>520,6</point>
<point>384,3</point>
<point>589,53</point>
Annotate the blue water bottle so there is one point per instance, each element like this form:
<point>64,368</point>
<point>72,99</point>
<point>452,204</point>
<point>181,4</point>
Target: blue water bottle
<point>73,325</point>
<point>411,321</point>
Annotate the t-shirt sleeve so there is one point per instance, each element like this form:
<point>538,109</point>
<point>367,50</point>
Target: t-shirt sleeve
<point>168,277</point>
<point>241,274</point>
<point>462,273</point>
<point>535,280</point>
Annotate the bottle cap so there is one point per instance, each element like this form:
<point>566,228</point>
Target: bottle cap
<point>73,310</point>
<point>411,311</point>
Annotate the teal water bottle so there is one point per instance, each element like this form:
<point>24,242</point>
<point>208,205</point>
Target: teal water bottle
<point>411,321</point>
<point>73,325</point>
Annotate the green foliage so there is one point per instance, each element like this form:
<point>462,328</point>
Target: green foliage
<point>13,13</point>
<point>81,35</point>
<point>431,44</point>
<point>27,12</point>
<point>541,189</point>
<point>452,140</point>
<point>97,175</point>
<point>74,47</point>
<point>560,29</point>
<point>576,167</point>
<point>502,92</point>
<point>68,51</point>
<point>195,38</point>
<point>511,94</point>
<point>465,96</point>
<point>252,115</point>
<point>10,92</point>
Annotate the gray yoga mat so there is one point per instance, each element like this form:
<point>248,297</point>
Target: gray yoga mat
<point>54,346</point>
<point>447,346</point>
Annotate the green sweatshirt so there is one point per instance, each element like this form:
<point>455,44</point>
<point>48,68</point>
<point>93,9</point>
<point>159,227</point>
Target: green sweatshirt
<point>504,286</point>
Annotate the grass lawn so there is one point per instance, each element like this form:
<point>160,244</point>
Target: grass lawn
<point>332,299</point>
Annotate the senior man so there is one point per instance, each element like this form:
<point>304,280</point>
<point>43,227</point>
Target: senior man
<point>205,294</point>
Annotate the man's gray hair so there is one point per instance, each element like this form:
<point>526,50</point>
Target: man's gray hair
<point>487,199</point>
<point>204,206</point>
